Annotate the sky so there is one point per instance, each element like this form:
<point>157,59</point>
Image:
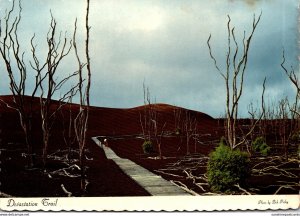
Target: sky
<point>164,45</point>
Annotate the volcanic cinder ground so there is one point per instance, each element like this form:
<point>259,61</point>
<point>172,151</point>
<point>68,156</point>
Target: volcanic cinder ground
<point>123,130</point>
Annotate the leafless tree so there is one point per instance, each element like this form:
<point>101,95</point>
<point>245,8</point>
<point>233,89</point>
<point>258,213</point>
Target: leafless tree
<point>263,121</point>
<point>196,136</point>
<point>234,77</point>
<point>158,133</point>
<point>146,118</point>
<point>16,69</point>
<point>178,125</point>
<point>189,128</point>
<point>295,80</point>
<point>45,71</point>
<point>294,108</point>
<point>68,125</point>
<point>283,127</point>
<point>272,120</point>
<point>289,112</point>
<point>81,120</point>
<point>49,83</point>
<point>253,115</point>
<point>152,127</point>
<point>177,120</point>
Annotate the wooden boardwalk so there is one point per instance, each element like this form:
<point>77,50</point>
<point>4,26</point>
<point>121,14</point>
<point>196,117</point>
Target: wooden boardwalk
<point>154,184</point>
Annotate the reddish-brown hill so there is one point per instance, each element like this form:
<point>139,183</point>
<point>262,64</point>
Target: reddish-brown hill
<point>117,121</point>
<point>112,121</point>
<point>106,179</point>
<point>102,121</point>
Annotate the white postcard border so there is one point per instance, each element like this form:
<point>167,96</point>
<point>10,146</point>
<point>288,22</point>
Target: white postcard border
<point>153,203</point>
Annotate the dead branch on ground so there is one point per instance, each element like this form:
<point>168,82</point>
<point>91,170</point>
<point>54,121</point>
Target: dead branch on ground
<point>242,189</point>
<point>184,187</point>
<point>69,194</point>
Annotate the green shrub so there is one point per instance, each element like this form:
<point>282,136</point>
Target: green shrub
<point>177,131</point>
<point>295,137</point>
<point>147,147</point>
<point>226,168</point>
<point>259,145</point>
<point>223,141</point>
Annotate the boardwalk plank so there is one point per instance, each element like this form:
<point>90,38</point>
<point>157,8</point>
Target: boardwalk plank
<point>154,184</point>
<point>166,191</point>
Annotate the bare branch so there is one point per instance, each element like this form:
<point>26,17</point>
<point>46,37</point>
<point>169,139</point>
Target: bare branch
<point>234,76</point>
<point>213,58</point>
<point>13,59</point>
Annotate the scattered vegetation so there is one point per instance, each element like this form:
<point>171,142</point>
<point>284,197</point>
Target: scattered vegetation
<point>259,145</point>
<point>295,137</point>
<point>223,141</point>
<point>178,132</point>
<point>147,147</point>
<point>227,168</point>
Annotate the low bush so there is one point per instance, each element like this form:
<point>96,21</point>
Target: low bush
<point>147,147</point>
<point>259,145</point>
<point>295,137</point>
<point>178,131</point>
<point>227,167</point>
<point>223,141</point>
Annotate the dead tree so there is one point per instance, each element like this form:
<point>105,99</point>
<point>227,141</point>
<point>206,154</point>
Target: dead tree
<point>16,69</point>
<point>177,120</point>
<point>234,78</point>
<point>152,128</point>
<point>283,129</point>
<point>68,126</point>
<point>189,128</point>
<point>178,125</point>
<point>263,121</point>
<point>253,114</point>
<point>286,125</point>
<point>158,133</point>
<point>147,117</point>
<point>294,107</point>
<point>49,84</point>
<point>295,80</point>
<point>196,136</point>
<point>81,120</point>
<point>272,120</point>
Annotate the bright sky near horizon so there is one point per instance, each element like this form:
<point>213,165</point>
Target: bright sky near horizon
<point>163,43</point>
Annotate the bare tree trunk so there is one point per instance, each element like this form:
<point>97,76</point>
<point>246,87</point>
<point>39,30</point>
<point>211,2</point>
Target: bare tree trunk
<point>151,127</point>
<point>283,130</point>
<point>68,129</point>
<point>146,119</point>
<point>234,78</point>
<point>294,108</point>
<point>177,120</point>
<point>81,120</point>
<point>57,51</point>
<point>190,126</point>
<point>263,122</point>
<point>11,54</point>
<point>158,135</point>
